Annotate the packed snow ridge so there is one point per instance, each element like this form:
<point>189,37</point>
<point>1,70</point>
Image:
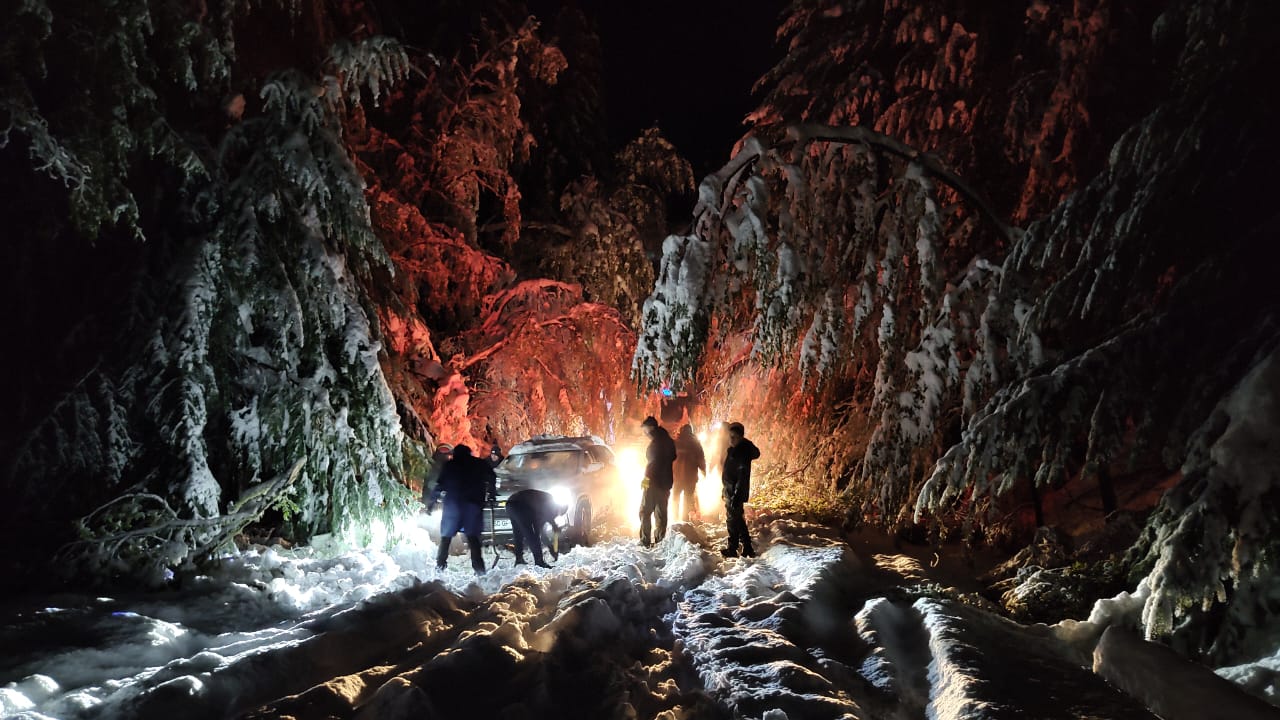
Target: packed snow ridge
<point>806,630</point>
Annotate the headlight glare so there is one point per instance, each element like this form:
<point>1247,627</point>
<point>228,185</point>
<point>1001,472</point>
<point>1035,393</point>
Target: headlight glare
<point>562,495</point>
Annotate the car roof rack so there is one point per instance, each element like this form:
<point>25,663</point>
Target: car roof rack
<point>539,441</point>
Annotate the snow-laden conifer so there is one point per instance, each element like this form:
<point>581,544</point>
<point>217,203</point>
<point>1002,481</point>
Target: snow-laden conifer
<point>987,365</point>
<point>254,379</point>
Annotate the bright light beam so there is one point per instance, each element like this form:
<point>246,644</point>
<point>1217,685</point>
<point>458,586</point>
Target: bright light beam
<point>708,490</point>
<point>628,494</point>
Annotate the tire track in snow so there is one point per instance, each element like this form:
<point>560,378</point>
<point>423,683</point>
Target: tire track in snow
<point>673,632</point>
<point>773,638</point>
<point>569,643</point>
<point>806,632</point>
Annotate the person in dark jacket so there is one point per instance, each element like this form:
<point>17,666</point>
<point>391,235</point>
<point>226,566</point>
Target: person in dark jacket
<point>467,483</point>
<point>530,511</point>
<point>495,456</point>
<point>690,460</point>
<point>736,479</point>
<point>442,455</point>
<point>660,455</point>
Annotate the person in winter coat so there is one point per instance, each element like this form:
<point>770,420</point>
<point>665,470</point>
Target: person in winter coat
<point>467,483</point>
<point>660,455</point>
<point>690,460</point>
<point>530,511</point>
<point>442,455</point>
<point>736,479</point>
<point>495,456</point>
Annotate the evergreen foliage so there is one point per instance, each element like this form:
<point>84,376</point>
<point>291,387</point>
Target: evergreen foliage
<point>251,347</point>
<point>484,349</point>
<point>145,58</point>
<point>1210,551</point>
<point>551,363</point>
<point>614,223</point>
<point>960,366</point>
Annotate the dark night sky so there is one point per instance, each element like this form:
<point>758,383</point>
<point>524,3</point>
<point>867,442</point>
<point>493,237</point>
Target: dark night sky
<point>686,66</point>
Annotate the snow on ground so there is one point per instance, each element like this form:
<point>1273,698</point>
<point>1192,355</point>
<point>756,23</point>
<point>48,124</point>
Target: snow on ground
<point>806,630</point>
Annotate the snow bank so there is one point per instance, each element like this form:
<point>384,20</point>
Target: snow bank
<point>985,666</point>
<point>1172,687</point>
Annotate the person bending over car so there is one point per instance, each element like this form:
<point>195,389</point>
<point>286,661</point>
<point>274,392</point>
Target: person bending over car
<point>530,511</point>
<point>466,482</point>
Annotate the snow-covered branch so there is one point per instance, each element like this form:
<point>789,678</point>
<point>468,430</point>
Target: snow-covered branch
<point>141,536</point>
<point>802,135</point>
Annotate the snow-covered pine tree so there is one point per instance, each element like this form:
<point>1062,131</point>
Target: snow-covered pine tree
<point>443,156</point>
<point>249,363</point>
<point>830,241</point>
<point>566,122</point>
<point>963,367</point>
<point>549,363</point>
<point>440,156</point>
<point>1147,280</point>
<point>609,226</point>
<point>450,147</point>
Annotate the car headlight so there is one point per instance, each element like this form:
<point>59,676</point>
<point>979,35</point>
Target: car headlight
<point>562,496</point>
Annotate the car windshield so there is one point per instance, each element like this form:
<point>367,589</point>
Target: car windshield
<point>549,461</point>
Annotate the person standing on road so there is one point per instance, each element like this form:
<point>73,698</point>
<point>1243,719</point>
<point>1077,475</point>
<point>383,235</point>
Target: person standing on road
<point>736,481</point>
<point>530,511</point>
<point>442,455</point>
<point>690,460</point>
<point>467,483</point>
<point>660,455</point>
<point>495,455</point>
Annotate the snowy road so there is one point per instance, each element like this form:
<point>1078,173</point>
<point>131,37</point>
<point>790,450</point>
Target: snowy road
<point>807,630</point>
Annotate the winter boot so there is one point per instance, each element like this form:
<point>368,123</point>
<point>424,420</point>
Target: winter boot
<point>729,552</point>
<point>541,563</point>
<point>520,560</point>
<point>748,551</point>
<point>477,554</point>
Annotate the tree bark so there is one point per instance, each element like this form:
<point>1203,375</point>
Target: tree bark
<point>1107,490</point>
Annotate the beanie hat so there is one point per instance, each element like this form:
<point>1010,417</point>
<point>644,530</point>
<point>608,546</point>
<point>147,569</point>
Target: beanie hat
<point>650,421</point>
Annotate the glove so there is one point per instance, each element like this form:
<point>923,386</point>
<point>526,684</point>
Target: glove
<point>431,507</point>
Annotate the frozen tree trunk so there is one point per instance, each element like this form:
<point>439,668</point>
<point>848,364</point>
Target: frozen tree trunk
<point>1174,688</point>
<point>1108,492</point>
<point>1039,507</point>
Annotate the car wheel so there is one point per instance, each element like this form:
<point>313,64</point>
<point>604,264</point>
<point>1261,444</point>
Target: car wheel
<point>581,522</point>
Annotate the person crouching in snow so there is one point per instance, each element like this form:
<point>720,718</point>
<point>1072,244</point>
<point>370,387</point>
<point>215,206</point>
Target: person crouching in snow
<point>737,490</point>
<point>466,482</point>
<point>530,511</point>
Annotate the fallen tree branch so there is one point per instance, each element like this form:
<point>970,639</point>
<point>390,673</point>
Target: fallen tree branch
<point>140,534</point>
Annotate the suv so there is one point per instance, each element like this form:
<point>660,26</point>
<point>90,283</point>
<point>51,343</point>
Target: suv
<point>579,472</point>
